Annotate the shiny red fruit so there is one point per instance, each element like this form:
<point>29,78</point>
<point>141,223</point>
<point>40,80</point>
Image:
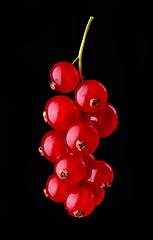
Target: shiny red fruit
<point>64,77</point>
<point>82,138</point>
<point>90,96</point>
<point>99,174</point>
<point>55,189</point>
<point>70,169</point>
<point>53,144</point>
<point>79,202</point>
<point>61,112</point>
<point>105,120</point>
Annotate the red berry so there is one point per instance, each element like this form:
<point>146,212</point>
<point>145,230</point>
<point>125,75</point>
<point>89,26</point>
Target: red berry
<point>90,96</point>
<point>61,112</point>
<point>82,138</point>
<point>55,189</point>
<point>70,169</point>
<point>99,174</point>
<point>79,202</point>
<point>105,120</point>
<point>53,144</point>
<point>64,77</point>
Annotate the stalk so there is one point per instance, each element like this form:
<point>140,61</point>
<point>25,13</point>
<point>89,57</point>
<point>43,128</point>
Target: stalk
<point>79,57</point>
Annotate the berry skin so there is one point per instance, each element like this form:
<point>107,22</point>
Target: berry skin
<point>53,144</point>
<point>61,112</point>
<point>64,77</point>
<point>89,158</point>
<point>90,96</point>
<point>99,193</point>
<point>82,138</point>
<point>55,189</point>
<point>79,202</point>
<point>105,120</point>
<point>70,169</point>
<point>99,174</point>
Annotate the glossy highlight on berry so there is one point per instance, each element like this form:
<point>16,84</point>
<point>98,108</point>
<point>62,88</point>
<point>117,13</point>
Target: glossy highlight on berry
<point>105,120</point>
<point>99,174</point>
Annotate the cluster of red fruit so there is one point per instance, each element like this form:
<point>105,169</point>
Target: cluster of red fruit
<point>78,180</point>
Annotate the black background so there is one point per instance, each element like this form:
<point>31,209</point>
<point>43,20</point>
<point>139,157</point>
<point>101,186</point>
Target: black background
<point>34,36</point>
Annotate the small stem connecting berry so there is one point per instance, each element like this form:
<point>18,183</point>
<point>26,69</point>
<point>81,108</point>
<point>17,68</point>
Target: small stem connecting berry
<point>75,60</point>
<point>79,57</point>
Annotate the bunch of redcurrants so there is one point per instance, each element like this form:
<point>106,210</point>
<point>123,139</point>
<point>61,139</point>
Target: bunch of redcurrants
<point>79,180</point>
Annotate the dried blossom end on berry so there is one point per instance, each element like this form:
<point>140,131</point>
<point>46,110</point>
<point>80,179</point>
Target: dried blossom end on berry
<point>80,145</point>
<point>78,214</point>
<point>44,190</point>
<point>53,86</point>
<point>45,116</point>
<point>105,185</point>
<point>41,151</point>
<point>63,174</point>
<point>95,102</point>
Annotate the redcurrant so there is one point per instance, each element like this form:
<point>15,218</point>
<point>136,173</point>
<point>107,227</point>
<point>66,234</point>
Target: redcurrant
<point>79,180</point>
<point>61,112</point>
<point>79,202</point>
<point>64,77</point>
<point>55,189</point>
<point>53,144</point>
<point>99,174</point>
<point>70,169</point>
<point>90,96</point>
<point>82,138</point>
<point>105,120</point>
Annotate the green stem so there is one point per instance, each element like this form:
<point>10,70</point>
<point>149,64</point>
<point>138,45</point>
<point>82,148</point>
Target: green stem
<point>79,57</point>
<point>75,60</point>
<point>82,46</point>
